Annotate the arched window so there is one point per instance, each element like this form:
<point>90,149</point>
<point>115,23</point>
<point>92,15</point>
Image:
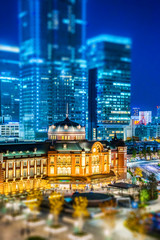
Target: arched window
<point>69,171</point>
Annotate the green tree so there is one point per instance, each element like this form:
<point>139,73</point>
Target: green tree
<point>149,152</point>
<point>154,151</point>
<point>144,152</point>
<point>144,196</point>
<point>140,154</point>
<point>134,153</point>
<point>152,186</point>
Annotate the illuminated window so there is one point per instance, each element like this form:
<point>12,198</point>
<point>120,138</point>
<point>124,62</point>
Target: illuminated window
<point>32,172</point>
<point>18,164</point>
<point>87,170</point>
<point>65,137</point>
<point>77,160</point>
<point>32,163</point>
<point>59,171</point>
<point>52,159</point>
<point>25,163</point>
<point>62,137</point>
<point>38,162</point>
<point>68,160</point>
<point>44,170</point>
<point>18,173</point>
<point>38,170</point>
<point>10,174</point>
<point>69,171</point>
<point>95,169</point>
<point>10,165</point>
<point>77,170</point>
<point>87,159</point>
<point>105,167</point>
<point>68,137</point>
<point>44,161</point>
<point>64,160</point>
<point>52,170</point>
<point>25,173</point>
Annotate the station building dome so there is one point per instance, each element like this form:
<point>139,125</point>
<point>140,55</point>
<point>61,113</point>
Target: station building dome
<point>66,130</point>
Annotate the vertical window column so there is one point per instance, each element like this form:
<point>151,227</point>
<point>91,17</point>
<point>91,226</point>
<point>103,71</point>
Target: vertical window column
<point>28,169</point>
<point>6,171</point>
<point>21,170</point>
<point>41,167</point>
<point>35,168</point>
<point>14,170</point>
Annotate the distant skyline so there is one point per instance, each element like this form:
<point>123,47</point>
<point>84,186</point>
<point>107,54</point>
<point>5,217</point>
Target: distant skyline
<point>136,19</point>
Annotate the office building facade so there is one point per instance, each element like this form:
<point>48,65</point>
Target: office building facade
<point>9,83</point>
<point>110,59</point>
<point>53,66</point>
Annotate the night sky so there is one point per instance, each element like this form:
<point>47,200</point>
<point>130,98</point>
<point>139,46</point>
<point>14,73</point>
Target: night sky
<point>137,19</point>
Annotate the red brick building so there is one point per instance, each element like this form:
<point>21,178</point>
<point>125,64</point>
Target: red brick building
<point>67,161</point>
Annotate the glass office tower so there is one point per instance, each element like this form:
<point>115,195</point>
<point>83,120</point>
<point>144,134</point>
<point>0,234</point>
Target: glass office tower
<point>53,66</point>
<point>9,83</point>
<point>109,59</point>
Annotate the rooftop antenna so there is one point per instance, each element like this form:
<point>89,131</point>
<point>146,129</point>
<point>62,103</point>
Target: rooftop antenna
<point>67,111</point>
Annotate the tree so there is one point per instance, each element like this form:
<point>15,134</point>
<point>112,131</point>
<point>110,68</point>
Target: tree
<point>56,201</point>
<point>134,153</point>
<point>34,200</point>
<point>80,211</point>
<point>110,211</point>
<point>152,186</point>
<point>137,222</point>
<point>149,152</point>
<point>144,196</point>
<point>154,151</point>
<point>140,154</point>
<point>138,172</point>
<point>144,152</point>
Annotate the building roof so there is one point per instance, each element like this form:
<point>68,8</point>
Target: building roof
<point>66,126</point>
<point>71,146</point>
<point>109,38</point>
<point>67,122</point>
<point>68,146</point>
<point>123,185</point>
<point>24,149</point>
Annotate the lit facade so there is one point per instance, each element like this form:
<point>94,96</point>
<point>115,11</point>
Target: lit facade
<point>146,131</point>
<point>145,117</point>
<point>9,83</point>
<point>109,64</point>
<point>10,129</point>
<point>53,65</point>
<point>66,130</point>
<point>61,164</point>
<point>135,113</point>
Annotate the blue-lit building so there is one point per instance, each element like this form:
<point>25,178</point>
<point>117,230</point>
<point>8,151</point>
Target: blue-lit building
<point>9,83</point>
<point>53,65</point>
<point>109,64</point>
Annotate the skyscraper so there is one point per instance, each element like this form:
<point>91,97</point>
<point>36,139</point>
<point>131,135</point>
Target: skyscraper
<point>9,83</point>
<point>53,66</point>
<point>110,57</point>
